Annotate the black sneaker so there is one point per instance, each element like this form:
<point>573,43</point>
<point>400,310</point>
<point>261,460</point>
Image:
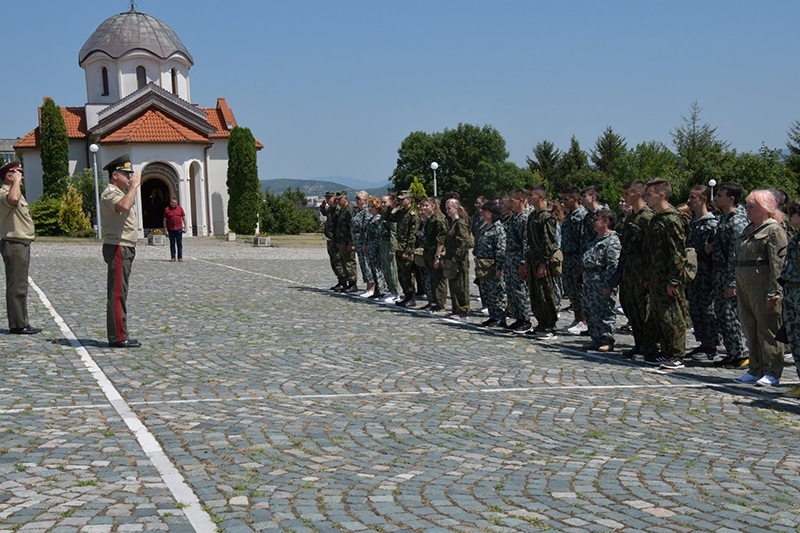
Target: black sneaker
<point>408,304</point>
<point>489,323</point>
<point>523,328</point>
<point>656,359</point>
<point>630,353</point>
<point>426,307</point>
<point>702,353</point>
<point>338,287</point>
<point>672,364</point>
<point>352,289</point>
<point>514,325</point>
<point>376,296</point>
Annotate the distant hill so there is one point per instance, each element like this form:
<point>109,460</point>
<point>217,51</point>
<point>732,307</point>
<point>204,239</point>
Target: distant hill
<point>319,187</point>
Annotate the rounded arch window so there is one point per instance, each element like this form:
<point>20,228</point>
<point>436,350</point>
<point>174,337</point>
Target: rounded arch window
<point>141,77</point>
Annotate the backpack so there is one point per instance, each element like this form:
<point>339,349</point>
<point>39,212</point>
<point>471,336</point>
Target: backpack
<point>690,268</point>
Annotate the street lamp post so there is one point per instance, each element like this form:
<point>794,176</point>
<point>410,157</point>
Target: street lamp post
<point>94,149</point>
<point>711,184</point>
<point>434,166</point>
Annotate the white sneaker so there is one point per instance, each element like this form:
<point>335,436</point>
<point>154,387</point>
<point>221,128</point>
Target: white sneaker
<point>747,377</point>
<point>572,325</point>
<point>484,311</point>
<point>578,328</point>
<point>767,381</point>
<point>546,336</point>
<point>391,298</point>
<point>366,294</point>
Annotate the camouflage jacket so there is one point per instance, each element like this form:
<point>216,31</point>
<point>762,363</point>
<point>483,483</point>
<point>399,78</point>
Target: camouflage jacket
<point>572,231</point>
<point>701,232</point>
<point>633,259</point>
<point>457,241</point>
<point>729,229</point>
<point>388,229</point>
<point>329,212</point>
<point>407,225</point>
<point>435,228</point>
<point>491,244</point>
<point>358,228</point>
<point>665,247</point>
<point>517,238</point>
<point>791,264</point>
<point>373,233</point>
<point>342,235</point>
<point>587,233</point>
<point>600,260</point>
<point>542,227</point>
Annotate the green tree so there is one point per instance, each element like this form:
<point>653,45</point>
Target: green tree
<point>761,170</point>
<point>417,188</point>
<point>84,182</point>
<point>55,150</point>
<point>472,162</point>
<point>793,144</point>
<point>244,195</point>
<point>71,217</point>
<point>574,169</point>
<point>699,151</point>
<point>547,160</point>
<point>44,212</point>
<point>608,149</point>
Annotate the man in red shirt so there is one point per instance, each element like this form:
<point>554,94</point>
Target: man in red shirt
<point>175,227</point>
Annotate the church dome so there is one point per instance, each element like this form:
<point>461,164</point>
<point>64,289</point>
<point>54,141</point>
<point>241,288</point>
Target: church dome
<point>132,30</point>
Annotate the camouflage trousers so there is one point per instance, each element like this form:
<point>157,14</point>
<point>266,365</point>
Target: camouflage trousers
<point>791,319</point>
<point>519,300</point>
<point>459,289</point>
<point>348,260</point>
<point>573,284</point>
<point>633,296</point>
<point>405,273</point>
<point>726,310</point>
<point>438,284</point>
<point>389,267</point>
<point>366,273</point>
<point>701,309</point>
<point>336,261</point>
<point>493,296</point>
<point>667,315</point>
<point>374,266</point>
<point>600,316</point>
<point>543,299</point>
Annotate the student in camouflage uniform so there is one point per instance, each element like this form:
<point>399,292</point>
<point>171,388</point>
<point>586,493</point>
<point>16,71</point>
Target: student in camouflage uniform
<point>516,278</point>
<point>329,209</point>
<point>665,250</point>
<point>571,238</point>
<point>358,228</point>
<point>790,274</point>
<point>591,200</point>
<point>435,229</point>
<point>476,225</point>
<point>759,259</point>
<point>490,244</point>
<point>456,248</point>
<point>555,207</point>
<point>700,291</point>
<point>407,226</point>
<point>373,240</point>
<point>541,235</point>
<point>633,290</point>
<point>344,240</point>
<point>388,239</point>
<point>600,262</point>
<point>726,308</point>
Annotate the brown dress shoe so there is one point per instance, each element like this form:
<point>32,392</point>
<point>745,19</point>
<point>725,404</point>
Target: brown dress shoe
<point>606,348</point>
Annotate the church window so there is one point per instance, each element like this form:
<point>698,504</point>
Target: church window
<point>141,77</point>
<point>105,81</point>
<point>174,82</point>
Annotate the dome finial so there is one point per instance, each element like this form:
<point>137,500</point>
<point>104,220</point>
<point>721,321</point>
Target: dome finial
<point>133,5</point>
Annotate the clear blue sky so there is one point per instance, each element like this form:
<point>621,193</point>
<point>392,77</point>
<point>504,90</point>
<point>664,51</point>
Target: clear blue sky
<point>333,87</point>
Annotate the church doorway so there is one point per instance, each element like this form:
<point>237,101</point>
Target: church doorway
<point>155,197</point>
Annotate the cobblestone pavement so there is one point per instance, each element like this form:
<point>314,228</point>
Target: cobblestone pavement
<point>262,401</point>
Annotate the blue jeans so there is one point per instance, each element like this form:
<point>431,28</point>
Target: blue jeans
<point>176,239</point>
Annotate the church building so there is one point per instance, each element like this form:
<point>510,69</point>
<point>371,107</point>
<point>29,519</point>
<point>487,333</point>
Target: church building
<point>140,105</point>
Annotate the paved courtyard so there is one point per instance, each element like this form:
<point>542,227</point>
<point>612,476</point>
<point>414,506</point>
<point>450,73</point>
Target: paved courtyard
<point>262,401</point>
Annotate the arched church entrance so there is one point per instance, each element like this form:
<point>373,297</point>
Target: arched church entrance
<point>155,197</point>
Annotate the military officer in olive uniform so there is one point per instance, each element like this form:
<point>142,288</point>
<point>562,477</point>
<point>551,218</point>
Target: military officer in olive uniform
<point>120,229</point>
<point>16,234</point>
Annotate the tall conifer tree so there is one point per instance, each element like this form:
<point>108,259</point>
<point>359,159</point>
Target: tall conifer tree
<point>244,198</point>
<point>55,150</point>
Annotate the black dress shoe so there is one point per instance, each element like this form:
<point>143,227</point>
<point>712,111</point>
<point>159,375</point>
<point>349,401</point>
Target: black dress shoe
<point>129,343</point>
<point>27,330</point>
<point>409,304</point>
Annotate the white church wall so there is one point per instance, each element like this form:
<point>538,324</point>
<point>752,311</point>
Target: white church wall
<point>217,185</point>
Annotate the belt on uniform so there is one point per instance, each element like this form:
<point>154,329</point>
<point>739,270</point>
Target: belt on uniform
<point>756,263</point>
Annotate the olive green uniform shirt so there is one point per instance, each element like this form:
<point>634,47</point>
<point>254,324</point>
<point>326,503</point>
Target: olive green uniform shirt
<point>16,223</point>
<point>118,228</point>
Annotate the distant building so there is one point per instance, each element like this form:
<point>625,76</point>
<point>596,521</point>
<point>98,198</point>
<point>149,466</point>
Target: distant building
<point>139,104</point>
<point>7,150</point>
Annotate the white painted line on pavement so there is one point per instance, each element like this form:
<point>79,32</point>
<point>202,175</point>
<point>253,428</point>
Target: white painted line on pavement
<point>200,519</point>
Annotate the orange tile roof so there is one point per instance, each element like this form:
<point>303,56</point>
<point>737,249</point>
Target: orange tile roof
<point>155,127</point>
<point>74,118</point>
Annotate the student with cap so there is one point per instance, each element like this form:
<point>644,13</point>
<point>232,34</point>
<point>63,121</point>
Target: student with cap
<point>16,234</point>
<point>119,246</point>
